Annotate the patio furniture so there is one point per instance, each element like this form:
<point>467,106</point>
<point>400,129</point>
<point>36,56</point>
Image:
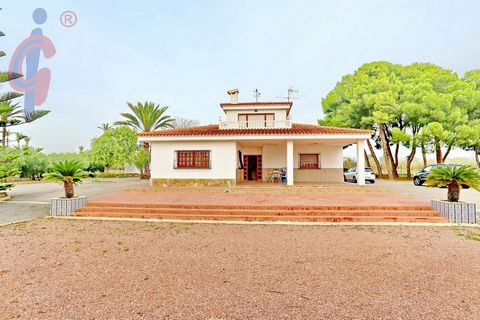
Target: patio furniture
<point>275,176</point>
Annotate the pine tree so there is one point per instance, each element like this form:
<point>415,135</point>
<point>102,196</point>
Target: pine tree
<point>7,106</point>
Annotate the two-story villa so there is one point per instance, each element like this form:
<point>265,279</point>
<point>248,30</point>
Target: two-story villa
<point>256,142</point>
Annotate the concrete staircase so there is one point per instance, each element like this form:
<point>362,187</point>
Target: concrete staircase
<point>300,213</point>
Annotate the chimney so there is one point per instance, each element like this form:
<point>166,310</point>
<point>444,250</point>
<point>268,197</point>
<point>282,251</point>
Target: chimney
<point>233,95</point>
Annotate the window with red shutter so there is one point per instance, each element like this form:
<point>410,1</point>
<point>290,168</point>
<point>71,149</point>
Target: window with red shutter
<point>309,161</point>
<point>192,159</point>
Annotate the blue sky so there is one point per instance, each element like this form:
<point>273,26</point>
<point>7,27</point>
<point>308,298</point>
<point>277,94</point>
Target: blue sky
<point>187,54</point>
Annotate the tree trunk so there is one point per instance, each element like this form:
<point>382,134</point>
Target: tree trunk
<point>4,136</point>
<point>375,159</point>
<point>447,153</point>
<point>367,160</point>
<point>146,174</point>
<point>68,189</point>
<point>438,152</point>
<point>395,160</point>
<point>477,153</point>
<point>410,158</point>
<point>453,191</point>
<point>424,156</point>
<point>387,154</point>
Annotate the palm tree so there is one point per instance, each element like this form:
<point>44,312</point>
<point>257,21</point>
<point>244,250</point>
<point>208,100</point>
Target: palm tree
<point>9,134</point>
<point>27,140</point>
<point>453,177</point>
<point>105,126</point>
<point>19,137</point>
<point>146,117</point>
<point>69,172</point>
<point>81,149</point>
<point>10,114</point>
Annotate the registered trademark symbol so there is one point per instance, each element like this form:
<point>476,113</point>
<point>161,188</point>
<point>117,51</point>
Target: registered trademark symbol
<point>68,19</point>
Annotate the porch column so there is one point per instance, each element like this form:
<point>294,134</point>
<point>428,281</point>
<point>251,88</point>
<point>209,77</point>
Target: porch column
<point>361,162</point>
<point>290,162</point>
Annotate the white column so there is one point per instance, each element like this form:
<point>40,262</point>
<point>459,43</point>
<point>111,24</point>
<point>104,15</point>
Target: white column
<point>290,162</point>
<point>360,162</point>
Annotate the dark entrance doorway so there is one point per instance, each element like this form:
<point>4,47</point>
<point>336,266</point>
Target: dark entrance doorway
<point>252,170</point>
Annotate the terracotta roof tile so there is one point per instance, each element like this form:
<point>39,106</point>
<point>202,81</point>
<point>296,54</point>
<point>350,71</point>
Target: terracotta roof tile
<point>213,130</point>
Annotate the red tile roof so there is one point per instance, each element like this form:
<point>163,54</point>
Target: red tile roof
<point>213,130</point>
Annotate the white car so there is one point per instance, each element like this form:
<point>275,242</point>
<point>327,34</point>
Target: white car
<point>351,175</point>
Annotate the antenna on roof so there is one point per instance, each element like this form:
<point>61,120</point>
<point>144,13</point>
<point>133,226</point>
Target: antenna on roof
<point>256,94</point>
<point>291,94</point>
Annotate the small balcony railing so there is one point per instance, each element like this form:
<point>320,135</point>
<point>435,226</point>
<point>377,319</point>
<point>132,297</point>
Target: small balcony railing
<point>257,124</point>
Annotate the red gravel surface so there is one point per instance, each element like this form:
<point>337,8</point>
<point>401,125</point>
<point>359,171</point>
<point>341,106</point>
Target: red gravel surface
<point>71,269</point>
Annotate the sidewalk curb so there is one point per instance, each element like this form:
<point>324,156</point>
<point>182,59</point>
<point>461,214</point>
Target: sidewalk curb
<point>15,222</point>
<point>287,223</point>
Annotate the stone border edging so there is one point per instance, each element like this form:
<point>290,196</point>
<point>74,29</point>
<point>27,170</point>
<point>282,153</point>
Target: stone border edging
<point>289,223</point>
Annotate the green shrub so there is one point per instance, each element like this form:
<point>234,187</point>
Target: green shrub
<point>6,186</point>
<point>34,165</point>
<point>115,175</point>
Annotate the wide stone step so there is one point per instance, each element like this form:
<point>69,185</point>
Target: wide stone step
<point>269,212</point>
<point>262,207</point>
<point>243,217</point>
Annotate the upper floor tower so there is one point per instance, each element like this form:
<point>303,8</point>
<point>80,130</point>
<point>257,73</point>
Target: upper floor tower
<point>255,115</point>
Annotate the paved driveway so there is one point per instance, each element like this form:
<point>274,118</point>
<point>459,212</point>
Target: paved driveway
<point>31,200</point>
<point>408,187</point>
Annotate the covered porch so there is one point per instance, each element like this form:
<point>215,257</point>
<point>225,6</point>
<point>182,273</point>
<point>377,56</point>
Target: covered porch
<point>295,161</point>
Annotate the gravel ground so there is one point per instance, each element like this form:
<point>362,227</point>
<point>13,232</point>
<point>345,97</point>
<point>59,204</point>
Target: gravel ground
<point>71,269</point>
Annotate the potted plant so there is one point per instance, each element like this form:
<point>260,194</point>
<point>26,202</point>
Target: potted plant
<point>454,177</point>
<point>70,173</point>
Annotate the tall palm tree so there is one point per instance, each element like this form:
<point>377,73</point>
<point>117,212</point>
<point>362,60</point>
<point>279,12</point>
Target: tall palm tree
<point>27,140</point>
<point>146,117</point>
<point>19,137</point>
<point>105,126</point>
<point>10,114</point>
<point>9,134</point>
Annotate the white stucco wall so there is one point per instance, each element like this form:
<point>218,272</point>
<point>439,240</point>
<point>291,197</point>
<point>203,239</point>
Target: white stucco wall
<point>280,115</point>
<point>223,159</point>
<point>251,150</point>
<point>275,156</point>
<point>330,156</point>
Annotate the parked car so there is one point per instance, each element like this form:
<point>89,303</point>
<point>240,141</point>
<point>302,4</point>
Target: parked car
<point>351,175</point>
<point>420,177</point>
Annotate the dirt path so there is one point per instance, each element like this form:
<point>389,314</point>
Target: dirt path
<point>63,269</point>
